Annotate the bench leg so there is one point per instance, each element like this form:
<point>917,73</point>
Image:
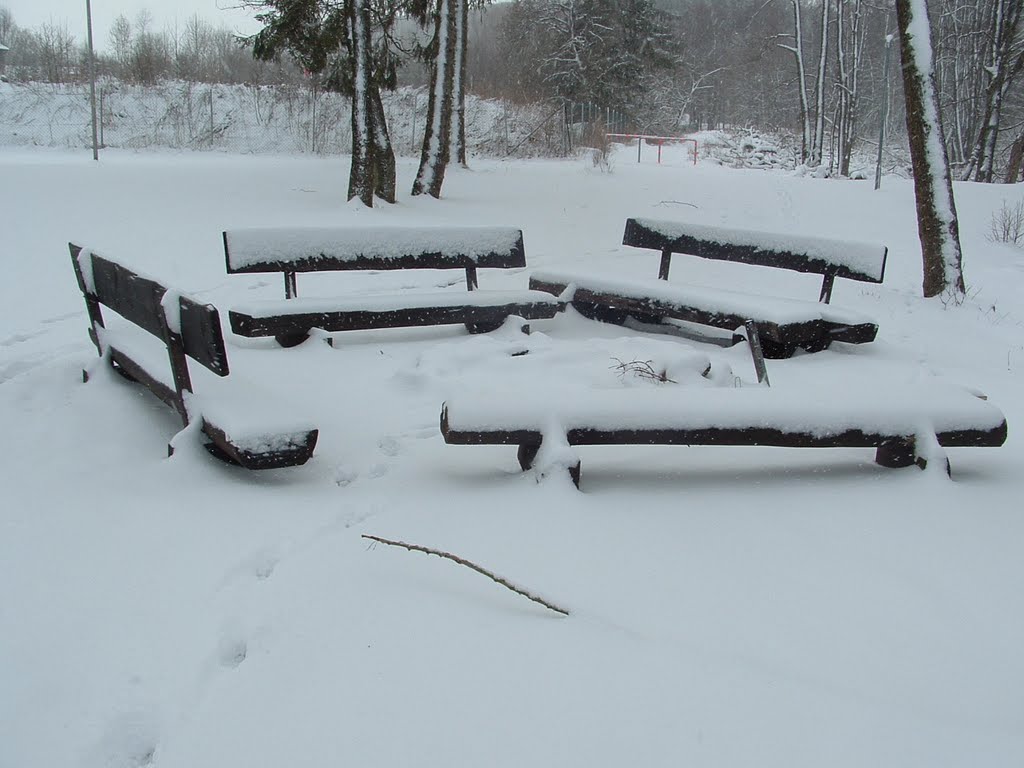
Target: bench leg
<point>483,327</point>
<point>777,350</point>
<point>292,339</point>
<point>526,454</point>
<point>896,453</point>
<point>818,345</point>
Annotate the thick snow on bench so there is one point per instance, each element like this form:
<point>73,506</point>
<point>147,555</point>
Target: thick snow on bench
<point>706,299</point>
<point>251,418</point>
<point>866,258</point>
<point>888,412</point>
<point>253,247</point>
<point>389,302</point>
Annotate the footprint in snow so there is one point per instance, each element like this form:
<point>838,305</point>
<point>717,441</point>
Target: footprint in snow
<point>20,338</point>
<point>389,446</point>
<point>231,651</point>
<point>129,741</point>
<point>61,318</point>
<point>344,476</point>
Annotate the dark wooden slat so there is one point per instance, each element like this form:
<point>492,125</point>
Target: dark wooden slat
<point>283,325</point>
<point>827,284</point>
<point>132,296</point>
<point>665,265</point>
<point>203,335</point>
<point>639,236</point>
<point>139,374</point>
<point>756,352</point>
<point>92,305</point>
<point>320,262</point>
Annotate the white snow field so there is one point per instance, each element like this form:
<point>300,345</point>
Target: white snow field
<point>729,606</point>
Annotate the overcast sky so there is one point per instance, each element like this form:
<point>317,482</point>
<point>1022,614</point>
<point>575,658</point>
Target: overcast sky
<point>220,13</point>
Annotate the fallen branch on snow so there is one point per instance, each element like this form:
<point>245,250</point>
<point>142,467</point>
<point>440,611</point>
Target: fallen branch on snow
<point>472,566</point>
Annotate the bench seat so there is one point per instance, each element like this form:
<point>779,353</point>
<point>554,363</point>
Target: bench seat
<point>783,324</point>
<point>893,420</point>
<point>486,310</point>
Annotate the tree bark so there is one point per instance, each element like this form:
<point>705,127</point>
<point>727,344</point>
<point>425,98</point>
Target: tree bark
<point>384,177</point>
<point>458,129</point>
<point>361,174</point>
<point>1000,69</point>
<point>436,138</point>
<point>1013,168</point>
<point>797,49</point>
<point>936,210</point>
<point>818,141</point>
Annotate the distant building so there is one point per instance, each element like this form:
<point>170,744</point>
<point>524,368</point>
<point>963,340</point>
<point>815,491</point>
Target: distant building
<point>3,57</point>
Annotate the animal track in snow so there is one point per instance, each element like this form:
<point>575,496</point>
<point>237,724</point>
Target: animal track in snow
<point>231,652</point>
<point>389,446</point>
<point>20,338</point>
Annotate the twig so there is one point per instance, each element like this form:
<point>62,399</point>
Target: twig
<point>678,202</point>
<point>642,369</point>
<point>472,566</point>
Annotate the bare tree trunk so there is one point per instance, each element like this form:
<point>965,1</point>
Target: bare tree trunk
<point>1013,168</point>
<point>849,50</point>
<point>436,138</point>
<point>938,227</point>
<point>819,91</point>
<point>384,178</point>
<point>1000,69</point>
<point>361,175</point>
<point>458,129</point>
<point>797,49</point>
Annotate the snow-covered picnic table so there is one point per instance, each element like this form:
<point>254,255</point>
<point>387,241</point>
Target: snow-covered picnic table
<point>782,324</point>
<point>323,249</point>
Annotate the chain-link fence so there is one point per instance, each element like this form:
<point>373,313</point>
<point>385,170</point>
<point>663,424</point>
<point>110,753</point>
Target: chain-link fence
<point>271,119</point>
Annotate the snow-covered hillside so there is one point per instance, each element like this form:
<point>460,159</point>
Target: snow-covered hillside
<point>729,606</point>
<point>252,119</point>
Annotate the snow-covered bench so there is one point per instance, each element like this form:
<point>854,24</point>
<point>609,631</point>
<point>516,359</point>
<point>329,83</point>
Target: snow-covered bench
<point>291,251</point>
<point>241,428</point>
<point>783,325</point>
<point>905,426</point>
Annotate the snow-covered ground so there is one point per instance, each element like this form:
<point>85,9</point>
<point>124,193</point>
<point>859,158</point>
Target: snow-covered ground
<point>729,606</point>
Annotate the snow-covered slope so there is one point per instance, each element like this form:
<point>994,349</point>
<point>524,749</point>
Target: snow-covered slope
<point>729,606</point>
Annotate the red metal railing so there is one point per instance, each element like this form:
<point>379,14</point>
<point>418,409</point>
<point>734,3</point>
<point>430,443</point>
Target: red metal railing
<point>659,140</point>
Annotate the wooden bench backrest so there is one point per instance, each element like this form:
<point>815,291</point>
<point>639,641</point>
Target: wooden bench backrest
<point>863,261</point>
<point>372,248</point>
<point>140,300</point>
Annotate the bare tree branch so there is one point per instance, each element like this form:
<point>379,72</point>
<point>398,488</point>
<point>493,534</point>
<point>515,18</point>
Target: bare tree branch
<point>472,566</point>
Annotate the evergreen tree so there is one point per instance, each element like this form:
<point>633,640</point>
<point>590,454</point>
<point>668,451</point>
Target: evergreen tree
<point>333,39</point>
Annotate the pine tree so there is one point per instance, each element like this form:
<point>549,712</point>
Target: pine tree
<point>335,39</point>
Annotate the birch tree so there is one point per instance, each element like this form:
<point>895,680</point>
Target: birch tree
<point>819,90</point>
<point>797,49</point>
<point>442,51</point>
<point>1004,60</point>
<point>938,228</point>
<point>849,56</point>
